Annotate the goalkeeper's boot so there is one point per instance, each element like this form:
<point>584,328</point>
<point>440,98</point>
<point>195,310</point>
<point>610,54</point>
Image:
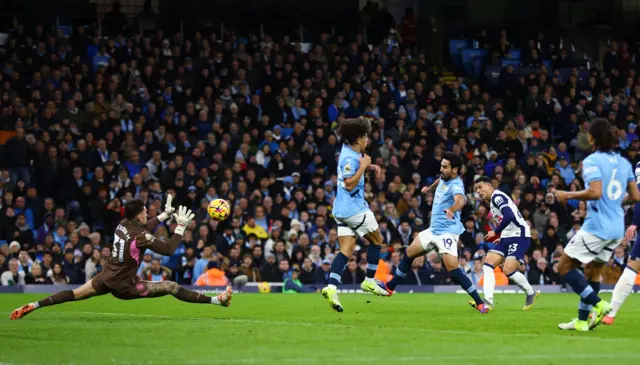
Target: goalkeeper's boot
<point>225,297</point>
<point>375,286</point>
<point>575,325</point>
<point>599,311</point>
<point>330,293</point>
<point>530,302</point>
<point>22,311</point>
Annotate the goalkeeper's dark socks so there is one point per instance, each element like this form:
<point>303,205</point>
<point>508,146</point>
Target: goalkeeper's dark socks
<point>189,296</point>
<point>401,271</point>
<point>373,255</point>
<point>337,268</point>
<point>57,298</point>
<point>579,284</point>
<point>463,280</point>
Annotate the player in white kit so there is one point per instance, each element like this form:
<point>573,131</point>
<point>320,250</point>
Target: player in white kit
<point>514,239</point>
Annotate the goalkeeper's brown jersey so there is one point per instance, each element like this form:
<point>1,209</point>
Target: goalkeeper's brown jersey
<point>130,242</point>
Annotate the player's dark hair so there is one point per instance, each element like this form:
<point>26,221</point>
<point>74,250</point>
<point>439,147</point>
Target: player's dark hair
<point>352,129</point>
<point>133,208</point>
<point>602,133</point>
<point>483,179</point>
<point>454,160</point>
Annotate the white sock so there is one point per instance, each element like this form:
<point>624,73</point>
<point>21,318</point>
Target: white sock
<point>489,284</point>
<point>368,279</point>
<point>622,290</point>
<point>331,286</point>
<point>214,300</point>
<point>521,281</point>
<point>36,304</point>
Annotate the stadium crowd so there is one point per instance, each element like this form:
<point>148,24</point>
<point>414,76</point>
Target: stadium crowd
<point>98,121</point>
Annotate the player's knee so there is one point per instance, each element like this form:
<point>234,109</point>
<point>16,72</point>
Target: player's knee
<point>493,259</point>
<point>511,266</point>
<point>374,237</point>
<point>347,246</point>
<point>377,240</point>
<point>415,249</point>
<point>565,265</point>
<point>450,262</point>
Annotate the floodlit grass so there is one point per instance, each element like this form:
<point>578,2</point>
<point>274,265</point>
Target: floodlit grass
<point>302,329</point>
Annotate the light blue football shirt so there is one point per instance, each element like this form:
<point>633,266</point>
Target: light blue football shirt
<point>349,203</point>
<point>444,199</point>
<point>605,217</point>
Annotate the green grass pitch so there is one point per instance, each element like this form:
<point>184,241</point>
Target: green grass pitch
<point>302,329</point>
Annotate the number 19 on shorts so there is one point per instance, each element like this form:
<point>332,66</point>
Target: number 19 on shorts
<point>447,243</point>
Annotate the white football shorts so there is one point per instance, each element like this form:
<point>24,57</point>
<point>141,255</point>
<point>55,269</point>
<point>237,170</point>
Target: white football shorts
<point>586,247</point>
<point>445,243</point>
<point>360,224</point>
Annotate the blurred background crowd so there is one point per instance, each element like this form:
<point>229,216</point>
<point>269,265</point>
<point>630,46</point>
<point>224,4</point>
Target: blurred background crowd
<point>95,116</point>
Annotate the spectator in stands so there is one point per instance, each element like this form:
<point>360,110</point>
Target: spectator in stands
<point>13,276</point>
<point>540,274</point>
<point>24,261</point>
<point>4,266</point>
<point>437,276</point>
<point>419,274</point>
<point>16,157</point>
<point>353,274</point>
<point>249,270</point>
<point>58,276</point>
<point>36,276</point>
<point>476,272</point>
<point>307,272</point>
<point>269,270</point>
<point>253,121</point>
<point>213,276</point>
<point>114,21</point>
<point>321,277</point>
<point>93,265</point>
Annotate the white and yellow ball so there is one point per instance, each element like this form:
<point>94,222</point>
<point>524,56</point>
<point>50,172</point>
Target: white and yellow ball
<point>264,287</point>
<point>219,209</point>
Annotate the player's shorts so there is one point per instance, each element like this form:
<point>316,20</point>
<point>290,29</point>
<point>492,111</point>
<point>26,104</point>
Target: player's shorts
<point>515,247</point>
<point>585,247</point>
<point>127,291</point>
<point>358,225</point>
<point>444,243</point>
<point>635,250</point>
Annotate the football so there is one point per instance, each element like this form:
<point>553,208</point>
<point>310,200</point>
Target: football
<point>264,287</point>
<point>219,209</point>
